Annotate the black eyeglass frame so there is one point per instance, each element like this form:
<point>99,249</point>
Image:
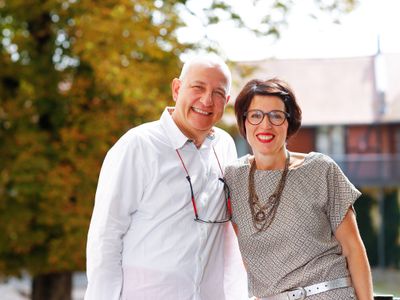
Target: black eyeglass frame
<point>227,195</point>
<point>268,114</point>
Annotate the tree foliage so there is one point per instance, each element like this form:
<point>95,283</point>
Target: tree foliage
<point>391,225</point>
<point>74,75</point>
<point>363,207</point>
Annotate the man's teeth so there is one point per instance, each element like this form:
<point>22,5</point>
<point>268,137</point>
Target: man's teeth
<point>265,137</point>
<point>200,111</point>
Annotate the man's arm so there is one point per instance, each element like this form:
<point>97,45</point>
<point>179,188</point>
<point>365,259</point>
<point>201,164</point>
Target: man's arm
<point>116,199</point>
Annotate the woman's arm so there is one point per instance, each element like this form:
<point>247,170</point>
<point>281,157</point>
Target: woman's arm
<point>353,249</point>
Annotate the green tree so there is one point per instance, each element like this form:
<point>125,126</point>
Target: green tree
<point>67,93</point>
<point>75,75</point>
<point>392,229</point>
<point>363,208</point>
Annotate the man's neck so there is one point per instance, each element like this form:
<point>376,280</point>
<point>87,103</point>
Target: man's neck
<point>197,138</point>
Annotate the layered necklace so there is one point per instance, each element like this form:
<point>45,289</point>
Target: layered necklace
<point>264,214</point>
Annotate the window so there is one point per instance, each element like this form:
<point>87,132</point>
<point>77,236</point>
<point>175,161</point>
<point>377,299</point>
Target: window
<point>330,140</point>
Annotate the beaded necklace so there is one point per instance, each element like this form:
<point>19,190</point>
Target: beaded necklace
<point>264,214</point>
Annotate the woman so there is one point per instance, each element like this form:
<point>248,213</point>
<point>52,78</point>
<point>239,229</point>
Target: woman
<point>293,212</point>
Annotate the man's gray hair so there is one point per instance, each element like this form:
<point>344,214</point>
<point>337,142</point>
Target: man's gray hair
<point>211,59</point>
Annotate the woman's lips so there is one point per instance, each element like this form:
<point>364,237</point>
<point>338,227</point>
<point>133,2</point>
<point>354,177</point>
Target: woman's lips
<point>265,137</point>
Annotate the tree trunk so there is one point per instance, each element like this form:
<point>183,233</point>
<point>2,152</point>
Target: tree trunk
<point>53,286</point>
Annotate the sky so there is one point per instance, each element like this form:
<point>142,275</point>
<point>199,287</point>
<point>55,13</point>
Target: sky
<point>305,37</point>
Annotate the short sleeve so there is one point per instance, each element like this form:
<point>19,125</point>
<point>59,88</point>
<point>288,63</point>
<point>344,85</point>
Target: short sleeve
<point>236,180</point>
<point>228,177</point>
<point>341,195</point>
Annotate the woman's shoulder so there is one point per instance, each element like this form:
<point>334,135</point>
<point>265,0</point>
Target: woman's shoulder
<point>238,164</point>
<point>241,161</point>
<point>314,159</point>
<point>321,157</point>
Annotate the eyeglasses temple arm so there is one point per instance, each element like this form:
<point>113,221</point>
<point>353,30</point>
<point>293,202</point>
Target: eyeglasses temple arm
<point>192,195</point>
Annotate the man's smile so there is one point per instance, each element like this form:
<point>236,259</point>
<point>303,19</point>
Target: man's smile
<point>200,111</point>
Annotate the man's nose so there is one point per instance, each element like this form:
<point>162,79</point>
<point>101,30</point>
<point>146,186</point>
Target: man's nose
<point>207,99</point>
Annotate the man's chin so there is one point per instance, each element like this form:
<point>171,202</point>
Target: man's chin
<point>203,128</point>
<point>203,123</point>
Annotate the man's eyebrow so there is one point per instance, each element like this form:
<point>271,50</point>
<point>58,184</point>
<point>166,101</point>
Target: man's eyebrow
<point>218,89</point>
<point>198,82</point>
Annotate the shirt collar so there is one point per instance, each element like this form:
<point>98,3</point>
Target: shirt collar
<point>175,135</point>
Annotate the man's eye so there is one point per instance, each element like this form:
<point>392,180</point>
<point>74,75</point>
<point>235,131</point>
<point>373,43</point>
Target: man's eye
<point>220,94</point>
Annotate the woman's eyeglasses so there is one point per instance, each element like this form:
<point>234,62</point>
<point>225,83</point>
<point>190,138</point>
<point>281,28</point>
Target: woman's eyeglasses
<point>275,117</point>
<point>228,211</point>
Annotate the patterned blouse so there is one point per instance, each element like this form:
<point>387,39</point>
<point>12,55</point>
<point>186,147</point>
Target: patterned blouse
<point>299,247</point>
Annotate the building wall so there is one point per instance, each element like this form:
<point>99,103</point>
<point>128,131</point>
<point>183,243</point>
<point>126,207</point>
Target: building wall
<point>368,139</point>
<point>303,141</point>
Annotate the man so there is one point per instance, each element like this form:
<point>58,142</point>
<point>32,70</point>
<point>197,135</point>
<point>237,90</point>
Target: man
<point>144,241</point>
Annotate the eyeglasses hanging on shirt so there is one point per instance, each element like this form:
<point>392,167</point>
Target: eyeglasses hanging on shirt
<point>226,194</point>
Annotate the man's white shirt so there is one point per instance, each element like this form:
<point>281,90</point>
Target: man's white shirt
<point>143,242</point>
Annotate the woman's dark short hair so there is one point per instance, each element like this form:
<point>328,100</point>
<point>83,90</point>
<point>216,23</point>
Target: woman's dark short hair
<point>271,87</point>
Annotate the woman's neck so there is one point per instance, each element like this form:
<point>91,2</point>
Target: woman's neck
<point>271,161</point>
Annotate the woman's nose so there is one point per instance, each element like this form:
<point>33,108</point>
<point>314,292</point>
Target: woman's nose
<point>266,122</point>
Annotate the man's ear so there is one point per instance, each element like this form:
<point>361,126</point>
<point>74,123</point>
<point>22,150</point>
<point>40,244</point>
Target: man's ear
<point>175,86</point>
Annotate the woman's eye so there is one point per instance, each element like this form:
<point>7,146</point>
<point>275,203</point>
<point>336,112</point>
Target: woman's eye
<point>276,116</point>
<point>256,115</point>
